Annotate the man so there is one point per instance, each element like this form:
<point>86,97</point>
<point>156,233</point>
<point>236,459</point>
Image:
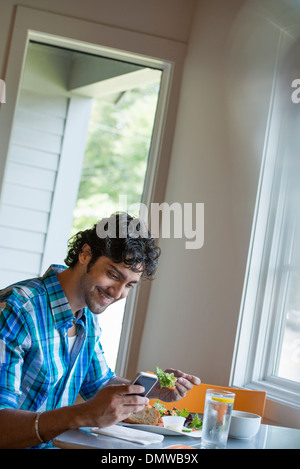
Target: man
<point>49,339</point>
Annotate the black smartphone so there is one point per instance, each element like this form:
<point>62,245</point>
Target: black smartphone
<point>147,380</point>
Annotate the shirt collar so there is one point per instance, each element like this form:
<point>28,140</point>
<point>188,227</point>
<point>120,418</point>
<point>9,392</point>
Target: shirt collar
<point>60,308</point>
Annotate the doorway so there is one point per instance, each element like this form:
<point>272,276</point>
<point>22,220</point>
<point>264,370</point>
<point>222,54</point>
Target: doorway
<point>115,167</point>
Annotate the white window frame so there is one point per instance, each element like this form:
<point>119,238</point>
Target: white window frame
<point>81,35</point>
<point>259,326</point>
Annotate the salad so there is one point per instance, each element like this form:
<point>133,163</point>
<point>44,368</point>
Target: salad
<point>192,422</point>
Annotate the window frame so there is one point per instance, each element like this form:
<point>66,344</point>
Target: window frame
<point>260,321</point>
<point>82,35</point>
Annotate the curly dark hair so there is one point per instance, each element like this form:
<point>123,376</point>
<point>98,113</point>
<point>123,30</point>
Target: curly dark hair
<point>123,239</point>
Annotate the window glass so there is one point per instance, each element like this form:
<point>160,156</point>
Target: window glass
<point>113,172</point>
<point>287,364</point>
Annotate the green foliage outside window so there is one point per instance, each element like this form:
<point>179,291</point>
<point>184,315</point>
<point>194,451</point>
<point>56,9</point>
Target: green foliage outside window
<point>116,156</point>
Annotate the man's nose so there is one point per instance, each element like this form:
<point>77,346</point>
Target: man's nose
<point>118,291</point>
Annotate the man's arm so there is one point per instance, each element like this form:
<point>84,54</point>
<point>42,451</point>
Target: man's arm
<point>20,431</point>
<point>109,406</point>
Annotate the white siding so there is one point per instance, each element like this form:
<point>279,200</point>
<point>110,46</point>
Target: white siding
<point>38,194</point>
<point>26,197</point>
<point>30,183</point>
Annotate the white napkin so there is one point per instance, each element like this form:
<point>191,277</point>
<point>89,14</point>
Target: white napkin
<point>130,434</point>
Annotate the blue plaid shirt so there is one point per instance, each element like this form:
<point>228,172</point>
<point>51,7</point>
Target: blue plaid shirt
<point>37,372</point>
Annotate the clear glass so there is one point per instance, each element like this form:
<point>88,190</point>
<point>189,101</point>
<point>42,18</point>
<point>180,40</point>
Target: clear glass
<point>216,419</point>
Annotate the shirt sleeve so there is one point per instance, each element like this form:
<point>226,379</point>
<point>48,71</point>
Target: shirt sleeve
<point>98,375</point>
<point>14,340</point>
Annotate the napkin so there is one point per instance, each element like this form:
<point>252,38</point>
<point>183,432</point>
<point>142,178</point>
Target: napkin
<point>130,434</point>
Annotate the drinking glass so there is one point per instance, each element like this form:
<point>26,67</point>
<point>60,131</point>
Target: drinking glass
<point>216,418</point>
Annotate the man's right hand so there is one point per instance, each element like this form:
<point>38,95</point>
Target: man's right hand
<point>110,405</point>
<point>113,404</point>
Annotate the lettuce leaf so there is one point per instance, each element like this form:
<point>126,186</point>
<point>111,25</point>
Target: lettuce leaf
<point>196,423</point>
<point>167,380</point>
<point>160,407</point>
<point>182,413</point>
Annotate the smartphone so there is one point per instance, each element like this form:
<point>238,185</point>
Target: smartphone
<point>147,380</point>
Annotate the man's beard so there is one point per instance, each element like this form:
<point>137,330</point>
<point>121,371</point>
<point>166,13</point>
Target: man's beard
<point>92,296</point>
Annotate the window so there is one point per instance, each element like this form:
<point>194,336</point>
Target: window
<point>267,351</point>
<point>114,170</point>
<point>286,298</point>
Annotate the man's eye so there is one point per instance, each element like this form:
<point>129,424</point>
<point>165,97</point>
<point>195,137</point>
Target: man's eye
<point>113,275</point>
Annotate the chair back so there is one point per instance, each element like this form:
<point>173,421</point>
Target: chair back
<point>245,399</point>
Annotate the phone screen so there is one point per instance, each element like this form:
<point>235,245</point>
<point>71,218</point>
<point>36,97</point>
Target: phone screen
<point>146,381</point>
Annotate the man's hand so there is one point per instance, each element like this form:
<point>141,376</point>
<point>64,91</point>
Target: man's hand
<point>112,404</point>
<point>183,384</point>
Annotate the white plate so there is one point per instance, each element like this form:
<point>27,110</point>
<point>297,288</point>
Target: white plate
<point>162,430</point>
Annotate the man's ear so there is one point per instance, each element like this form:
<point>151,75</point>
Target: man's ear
<point>85,254</point>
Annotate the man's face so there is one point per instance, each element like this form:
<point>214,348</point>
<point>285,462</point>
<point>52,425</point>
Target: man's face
<point>105,283</point>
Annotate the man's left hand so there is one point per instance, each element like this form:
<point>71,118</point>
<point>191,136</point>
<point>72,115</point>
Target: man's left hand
<point>184,383</point>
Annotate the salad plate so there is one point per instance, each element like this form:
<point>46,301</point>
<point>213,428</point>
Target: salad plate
<point>162,430</point>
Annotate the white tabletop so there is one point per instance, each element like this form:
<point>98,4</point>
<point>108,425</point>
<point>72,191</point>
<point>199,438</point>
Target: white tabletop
<point>268,437</point>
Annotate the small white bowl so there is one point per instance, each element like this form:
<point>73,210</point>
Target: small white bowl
<point>173,422</point>
<point>244,425</point>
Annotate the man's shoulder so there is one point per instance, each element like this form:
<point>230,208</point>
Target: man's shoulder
<point>23,291</point>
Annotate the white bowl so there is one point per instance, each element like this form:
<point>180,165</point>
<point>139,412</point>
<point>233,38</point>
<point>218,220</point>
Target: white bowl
<point>173,422</point>
<point>244,425</point>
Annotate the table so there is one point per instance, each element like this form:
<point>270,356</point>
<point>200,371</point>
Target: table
<point>268,437</point>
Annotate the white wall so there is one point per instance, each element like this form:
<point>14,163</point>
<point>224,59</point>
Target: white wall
<point>194,303</point>
<point>192,312</point>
